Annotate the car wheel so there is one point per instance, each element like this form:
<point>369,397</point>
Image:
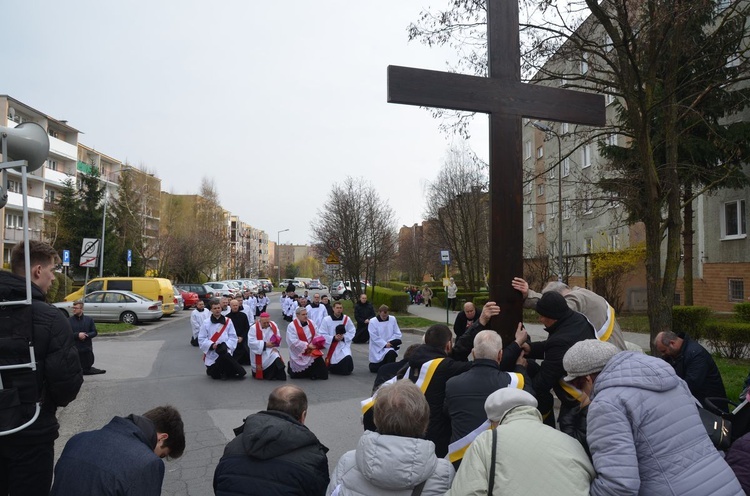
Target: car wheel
<point>347,296</point>
<point>129,318</point>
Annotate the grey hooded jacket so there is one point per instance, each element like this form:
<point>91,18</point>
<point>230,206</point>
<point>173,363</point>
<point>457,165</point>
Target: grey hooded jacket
<point>646,436</point>
<point>390,465</point>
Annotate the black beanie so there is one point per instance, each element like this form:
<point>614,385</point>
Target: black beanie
<point>553,306</point>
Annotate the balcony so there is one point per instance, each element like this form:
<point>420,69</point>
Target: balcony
<point>56,177</point>
<point>16,234</point>
<point>63,148</point>
<point>16,200</point>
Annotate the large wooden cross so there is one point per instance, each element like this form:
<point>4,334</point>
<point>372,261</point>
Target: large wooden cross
<point>506,99</point>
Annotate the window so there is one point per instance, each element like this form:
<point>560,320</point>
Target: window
<point>613,243</point>
<point>526,150</point>
<point>542,227</point>
<point>608,45</point>
<point>733,225</point>
<point>540,189</point>
<point>121,285</point>
<point>612,139</point>
<point>565,128</point>
<point>50,196</point>
<point>551,172</point>
<point>609,98</point>
<point>586,157</point>
<point>566,209</point>
<point>13,221</point>
<point>530,223</point>
<point>588,245</point>
<point>566,248</point>
<point>51,164</point>
<point>540,152</point>
<point>552,248</point>
<point>554,211</point>
<point>14,186</point>
<point>588,203</point>
<point>737,290</point>
<point>584,63</point>
<point>566,167</point>
<point>528,188</point>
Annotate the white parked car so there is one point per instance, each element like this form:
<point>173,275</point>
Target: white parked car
<point>114,306</point>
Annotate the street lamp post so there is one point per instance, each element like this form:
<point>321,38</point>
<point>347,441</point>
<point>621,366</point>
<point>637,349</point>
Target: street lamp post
<point>278,254</point>
<point>549,131</point>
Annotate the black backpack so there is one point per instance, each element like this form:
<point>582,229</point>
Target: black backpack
<point>20,398</point>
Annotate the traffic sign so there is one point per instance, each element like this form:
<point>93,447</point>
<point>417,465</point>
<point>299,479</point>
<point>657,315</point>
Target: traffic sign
<point>333,259</point>
<point>89,252</point>
<point>130,257</point>
<point>66,258</point>
<point>333,244</point>
<point>445,257</point>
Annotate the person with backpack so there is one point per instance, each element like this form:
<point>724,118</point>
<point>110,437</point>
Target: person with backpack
<point>27,456</point>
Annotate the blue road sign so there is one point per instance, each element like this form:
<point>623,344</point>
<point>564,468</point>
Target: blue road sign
<point>66,258</point>
<point>130,255</point>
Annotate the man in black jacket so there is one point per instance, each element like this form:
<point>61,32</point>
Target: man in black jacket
<point>363,312</point>
<point>242,328</point>
<point>693,364</point>
<point>466,393</point>
<point>565,327</point>
<point>26,457</point>
<point>84,330</point>
<point>274,453</point>
<point>464,319</point>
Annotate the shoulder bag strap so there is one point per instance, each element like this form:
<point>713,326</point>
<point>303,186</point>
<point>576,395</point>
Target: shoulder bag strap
<point>493,459</point>
<point>418,488</point>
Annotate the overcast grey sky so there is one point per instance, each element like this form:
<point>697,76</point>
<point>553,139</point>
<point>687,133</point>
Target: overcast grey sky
<point>274,100</point>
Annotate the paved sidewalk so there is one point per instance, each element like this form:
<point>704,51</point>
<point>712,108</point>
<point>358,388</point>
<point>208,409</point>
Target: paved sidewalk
<point>535,329</point>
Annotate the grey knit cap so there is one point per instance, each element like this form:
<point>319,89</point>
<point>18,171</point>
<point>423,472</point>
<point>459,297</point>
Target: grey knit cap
<point>587,357</point>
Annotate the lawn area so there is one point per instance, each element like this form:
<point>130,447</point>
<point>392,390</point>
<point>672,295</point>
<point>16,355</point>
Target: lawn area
<point>634,322</point>
<point>405,320</point>
<point>733,373</point>
<point>105,328</point>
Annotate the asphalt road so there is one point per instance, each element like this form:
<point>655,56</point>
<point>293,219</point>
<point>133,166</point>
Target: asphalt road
<point>158,366</point>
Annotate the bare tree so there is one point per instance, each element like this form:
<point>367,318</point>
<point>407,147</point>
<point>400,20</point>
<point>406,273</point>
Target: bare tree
<point>458,203</point>
<point>361,223</point>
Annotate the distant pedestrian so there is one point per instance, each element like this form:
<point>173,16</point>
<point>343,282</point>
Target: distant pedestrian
<point>464,319</point>
<point>123,458</point>
<point>427,295</point>
<point>84,330</point>
<point>451,292</point>
<point>396,459</point>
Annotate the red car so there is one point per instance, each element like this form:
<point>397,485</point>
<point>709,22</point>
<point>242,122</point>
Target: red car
<point>189,298</point>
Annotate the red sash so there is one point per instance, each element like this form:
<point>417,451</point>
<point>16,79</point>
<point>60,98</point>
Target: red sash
<point>259,356</point>
<point>334,343</point>
<point>301,335</point>
<point>218,334</point>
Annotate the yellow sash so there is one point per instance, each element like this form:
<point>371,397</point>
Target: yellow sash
<point>423,382</point>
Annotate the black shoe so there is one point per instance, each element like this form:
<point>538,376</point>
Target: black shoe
<point>94,371</point>
<point>194,341</point>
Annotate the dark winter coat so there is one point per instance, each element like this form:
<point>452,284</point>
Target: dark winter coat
<point>242,328</point>
<point>462,323</point>
<point>116,460</point>
<point>466,393</point>
<point>563,334</point>
<point>274,455</point>
<point>363,312</point>
<point>696,366</point>
<point>58,374</point>
<point>84,324</point>
<point>738,458</point>
<point>439,428</point>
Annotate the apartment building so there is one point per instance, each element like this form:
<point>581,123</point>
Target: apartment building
<point>565,210</point>
<point>45,183</point>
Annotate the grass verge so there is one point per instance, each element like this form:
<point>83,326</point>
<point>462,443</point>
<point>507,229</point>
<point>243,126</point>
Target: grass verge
<point>106,328</point>
<point>733,373</point>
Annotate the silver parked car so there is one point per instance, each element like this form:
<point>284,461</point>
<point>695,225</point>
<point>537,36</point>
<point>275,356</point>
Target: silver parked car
<point>116,306</point>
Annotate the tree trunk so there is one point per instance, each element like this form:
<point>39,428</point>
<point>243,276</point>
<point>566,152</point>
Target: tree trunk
<point>687,246</point>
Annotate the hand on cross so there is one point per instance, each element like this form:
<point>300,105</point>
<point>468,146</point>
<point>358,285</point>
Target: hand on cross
<point>521,285</point>
<point>490,310</point>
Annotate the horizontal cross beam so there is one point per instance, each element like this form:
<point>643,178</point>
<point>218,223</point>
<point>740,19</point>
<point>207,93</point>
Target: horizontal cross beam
<point>492,95</point>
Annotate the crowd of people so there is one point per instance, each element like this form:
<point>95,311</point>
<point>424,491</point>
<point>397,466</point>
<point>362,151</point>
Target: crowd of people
<point>461,413</point>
